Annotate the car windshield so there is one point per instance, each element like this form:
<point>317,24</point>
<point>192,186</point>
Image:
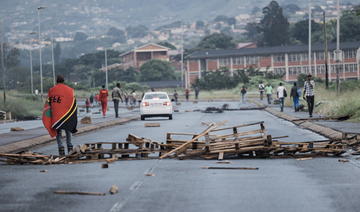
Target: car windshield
<point>156,96</point>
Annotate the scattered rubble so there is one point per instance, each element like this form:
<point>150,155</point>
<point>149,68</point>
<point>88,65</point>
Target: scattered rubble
<point>114,189</point>
<point>16,129</point>
<point>86,120</point>
<point>152,125</point>
<point>241,141</point>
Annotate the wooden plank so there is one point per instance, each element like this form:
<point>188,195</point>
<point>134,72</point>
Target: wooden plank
<point>221,156</point>
<point>207,130</point>
<point>152,125</point>
<point>80,193</point>
<point>233,168</point>
<point>238,126</point>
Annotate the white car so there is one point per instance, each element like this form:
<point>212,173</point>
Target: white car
<point>156,104</point>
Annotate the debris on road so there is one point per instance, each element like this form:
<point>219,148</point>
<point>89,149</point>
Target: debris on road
<point>234,168</point>
<point>86,120</point>
<point>343,160</point>
<point>16,129</point>
<point>223,162</point>
<point>150,174</point>
<point>44,171</point>
<point>242,141</point>
<point>152,125</point>
<point>104,165</point>
<point>80,193</point>
<point>307,158</point>
<point>114,189</point>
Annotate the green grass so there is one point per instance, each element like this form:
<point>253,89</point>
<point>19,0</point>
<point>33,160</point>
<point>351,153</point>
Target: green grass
<point>22,106</point>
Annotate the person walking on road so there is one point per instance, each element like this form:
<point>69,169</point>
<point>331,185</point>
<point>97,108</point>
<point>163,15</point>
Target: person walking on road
<point>243,93</point>
<point>281,94</point>
<point>60,113</point>
<point>103,97</point>
<point>187,93</point>
<point>261,90</point>
<point>309,94</point>
<point>176,96</point>
<point>116,97</point>
<point>197,91</point>
<point>269,91</point>
<point>294,94</point>
<point>87,105</point>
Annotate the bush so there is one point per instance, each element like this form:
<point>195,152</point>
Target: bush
<point>221,79</point>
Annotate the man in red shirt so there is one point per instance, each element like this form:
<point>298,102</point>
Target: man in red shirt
<point>103,96</point>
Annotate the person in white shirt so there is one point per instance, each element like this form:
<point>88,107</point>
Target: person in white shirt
<point>281,94</point>
<point>261,90</point>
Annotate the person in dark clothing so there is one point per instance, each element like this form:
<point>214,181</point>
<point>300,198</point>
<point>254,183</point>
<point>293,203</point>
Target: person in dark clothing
<point>295,95</point>
<point>187,93</point>
<point>197,91</point>
<point>176,96</point>
<point>243,93</point>
<point>91,99</point>
<point>309,94</point>
<point>116,97</point>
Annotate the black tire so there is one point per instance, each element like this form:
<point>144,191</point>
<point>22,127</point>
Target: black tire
<point>142,117</point>
<point>170,117</point>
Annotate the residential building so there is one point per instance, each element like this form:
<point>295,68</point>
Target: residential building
<point>287,60</point>
<point>138,56</point>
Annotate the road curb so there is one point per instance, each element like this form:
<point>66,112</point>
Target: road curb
<point>30,143</point>
<point>325,131</point>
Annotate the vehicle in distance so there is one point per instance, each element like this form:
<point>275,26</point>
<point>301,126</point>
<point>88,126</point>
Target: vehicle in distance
<point>156,104</point>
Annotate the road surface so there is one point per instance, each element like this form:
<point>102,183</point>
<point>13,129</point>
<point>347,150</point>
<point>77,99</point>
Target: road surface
<point>321,184</point>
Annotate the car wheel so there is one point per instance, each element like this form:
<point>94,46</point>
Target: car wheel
<point>142,117</point>
<point>170,117</point>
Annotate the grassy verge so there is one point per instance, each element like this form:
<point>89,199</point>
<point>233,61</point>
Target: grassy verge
<point>22,106</point>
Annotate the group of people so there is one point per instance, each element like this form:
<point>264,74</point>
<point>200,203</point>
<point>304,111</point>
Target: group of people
<point>187,94</point>
<point>295,93</point>
<point>117,95</point>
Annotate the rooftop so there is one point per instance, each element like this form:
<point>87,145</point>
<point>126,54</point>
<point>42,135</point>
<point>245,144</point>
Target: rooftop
<point>269,50</point>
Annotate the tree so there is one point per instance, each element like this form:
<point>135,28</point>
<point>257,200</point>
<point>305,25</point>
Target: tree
<point>199,25</point>
<point>300,30</point>
<point>253,33</point>
<point>350,26</point>
<point>156,70</point>
<point>80,36</point>
<point>274,26</point>
<point>216,41</point>
<point>138,31</point>
<point>57,53</point>
<point>117,34</point>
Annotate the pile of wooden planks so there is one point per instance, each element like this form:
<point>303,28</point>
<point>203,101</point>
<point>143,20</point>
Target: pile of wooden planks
<point>242,141</point>
<point>31,158</point>
<point>245,141</point>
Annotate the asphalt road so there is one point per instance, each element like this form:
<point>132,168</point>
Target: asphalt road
<point>321,184</point>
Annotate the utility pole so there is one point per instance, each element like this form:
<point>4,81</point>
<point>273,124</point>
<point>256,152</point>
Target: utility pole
<point>3,63</point>
<point>52,57</point>
<point>31,64</point>
<point>106,71</point>
<point>31,72</point>
<point>338,52</point>
<point>182,54</point>
<point>40,56</point>
<point>326,53</point>
<point>309,53</point>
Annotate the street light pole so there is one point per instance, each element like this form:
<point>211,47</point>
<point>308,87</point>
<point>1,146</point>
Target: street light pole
<point>3,63</point>
<point>182,54</point>
<point>31,72</point>
<point>309,53</point>
<point>338,53</point>
<point>106,71</point>
<point>52,57</point>
<point>40,56</point>
<point>326,54</point>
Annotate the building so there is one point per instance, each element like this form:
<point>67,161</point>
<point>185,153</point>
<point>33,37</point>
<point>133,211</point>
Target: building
<point>289,60</point>
<point>138,56</point>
